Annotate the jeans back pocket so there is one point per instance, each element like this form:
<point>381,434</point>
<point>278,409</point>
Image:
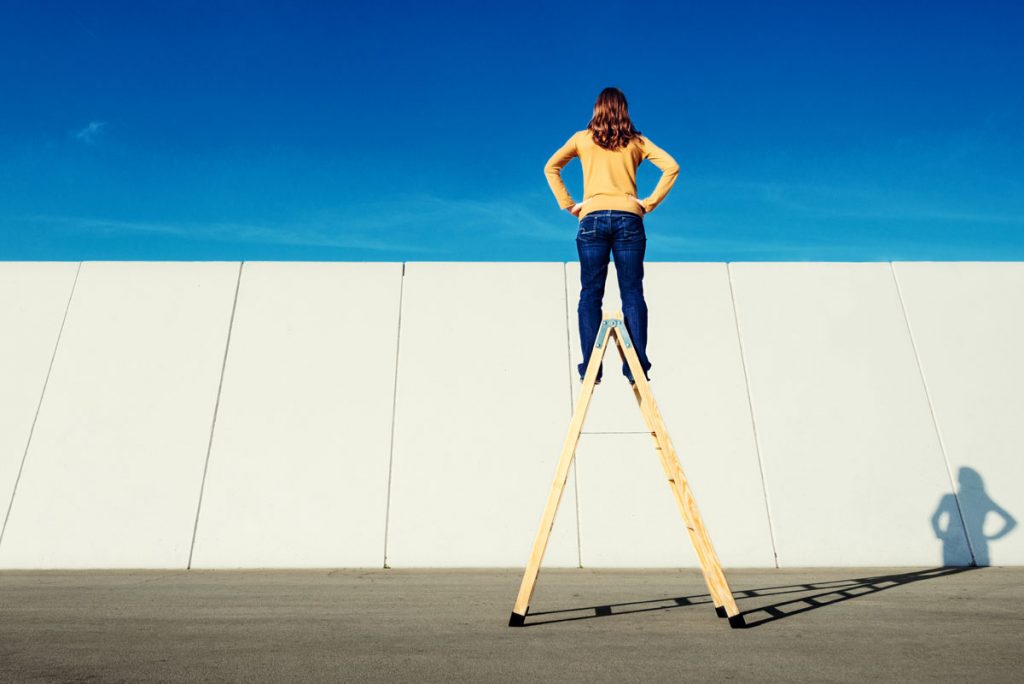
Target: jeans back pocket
<point>630,227</point>
<point>588,227</point>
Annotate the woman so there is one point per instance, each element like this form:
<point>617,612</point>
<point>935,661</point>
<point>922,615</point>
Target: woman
<point>611,217</point>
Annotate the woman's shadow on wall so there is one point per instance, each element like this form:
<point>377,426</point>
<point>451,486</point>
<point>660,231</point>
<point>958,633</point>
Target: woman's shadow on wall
<point>966,511</point>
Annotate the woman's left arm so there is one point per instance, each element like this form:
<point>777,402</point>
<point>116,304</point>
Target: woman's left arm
<point>669,170</point>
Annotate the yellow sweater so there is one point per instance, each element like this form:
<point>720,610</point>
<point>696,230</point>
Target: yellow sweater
<point>609,177</point>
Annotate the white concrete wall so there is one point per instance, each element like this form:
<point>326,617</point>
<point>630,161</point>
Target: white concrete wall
<point>851,456</point>
<point>33,300</point>
<point>351,414</point>
<point>298,469</point>
<point>113,471</point>
<point>482,409</point>
<point>966,319</point>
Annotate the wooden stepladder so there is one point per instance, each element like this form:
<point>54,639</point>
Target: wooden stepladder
<point>613,327</point>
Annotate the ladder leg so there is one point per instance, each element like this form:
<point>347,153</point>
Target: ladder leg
<point>695,539</point>
<point>729,608</point>
<point>547,522</point>
<point>714,576</point>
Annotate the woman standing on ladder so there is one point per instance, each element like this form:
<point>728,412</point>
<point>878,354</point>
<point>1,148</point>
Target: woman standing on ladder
<point>611,216</point>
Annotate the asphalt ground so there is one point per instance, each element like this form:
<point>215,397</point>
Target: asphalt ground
<point>369,625</point>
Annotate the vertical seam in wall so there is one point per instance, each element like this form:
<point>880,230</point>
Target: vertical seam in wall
<point>394,409</point>
<point>753,420</point>
<point>575,462</point>
<point>39,404</point>
<point>216,407</point>
<point>931,411</point>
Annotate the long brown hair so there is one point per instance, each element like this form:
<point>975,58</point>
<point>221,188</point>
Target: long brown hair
<point>611,125</point>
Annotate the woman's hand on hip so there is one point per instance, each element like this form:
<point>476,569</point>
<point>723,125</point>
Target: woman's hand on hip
<point>576,208</point>
<point>643,209</point>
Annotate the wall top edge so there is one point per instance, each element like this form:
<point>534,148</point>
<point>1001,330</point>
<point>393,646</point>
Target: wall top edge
<point>648,261</point>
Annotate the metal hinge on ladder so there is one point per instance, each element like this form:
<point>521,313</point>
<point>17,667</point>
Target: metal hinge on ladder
<point>608,324</point>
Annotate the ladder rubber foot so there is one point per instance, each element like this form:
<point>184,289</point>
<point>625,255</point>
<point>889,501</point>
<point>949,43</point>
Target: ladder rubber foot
<point>737,622</point>
<point>720,611</point>
<point>516,620</point>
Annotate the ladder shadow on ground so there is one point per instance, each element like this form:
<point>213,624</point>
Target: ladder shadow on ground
<point>820,595</point>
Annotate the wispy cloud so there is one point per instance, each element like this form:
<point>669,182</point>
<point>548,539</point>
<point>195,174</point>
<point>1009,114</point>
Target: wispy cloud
<point>694,245</point>
<point>825,201</point>
<point>780,221</point>
<point>452,217</point>
<point>90,133</point>
<point>419,223</point>
<point>291,235</point>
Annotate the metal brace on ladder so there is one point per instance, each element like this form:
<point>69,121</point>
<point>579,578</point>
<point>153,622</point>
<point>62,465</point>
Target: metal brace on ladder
<point>620,326</point>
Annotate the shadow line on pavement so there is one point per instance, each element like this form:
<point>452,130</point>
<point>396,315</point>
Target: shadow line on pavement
<point>828,593</point>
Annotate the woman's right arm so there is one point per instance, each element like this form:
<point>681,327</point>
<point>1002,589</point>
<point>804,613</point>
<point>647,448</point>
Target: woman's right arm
<point>553,172</point>
<point>669,170</point>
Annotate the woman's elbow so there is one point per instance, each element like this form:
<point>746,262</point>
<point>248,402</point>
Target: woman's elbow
<point>553,174</point>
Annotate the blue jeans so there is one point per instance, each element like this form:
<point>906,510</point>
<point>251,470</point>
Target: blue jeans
<point>622,234</point>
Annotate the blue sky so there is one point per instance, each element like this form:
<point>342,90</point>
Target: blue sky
<point>385,131</point>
